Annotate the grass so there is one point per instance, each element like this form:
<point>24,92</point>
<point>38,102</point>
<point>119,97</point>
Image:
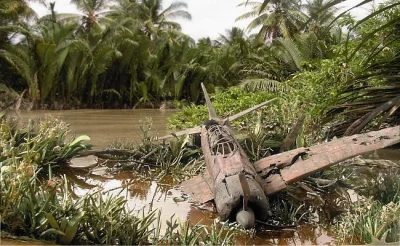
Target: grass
<point>370,221</point>
<point>38,203</point>
<point>375,218</point>
<point>178,158</point>
<point>36,200</point>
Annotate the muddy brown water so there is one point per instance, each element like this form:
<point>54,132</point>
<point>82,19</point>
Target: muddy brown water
<point>105,126</point>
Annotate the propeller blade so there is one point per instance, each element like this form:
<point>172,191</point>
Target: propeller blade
<point>245,189</point>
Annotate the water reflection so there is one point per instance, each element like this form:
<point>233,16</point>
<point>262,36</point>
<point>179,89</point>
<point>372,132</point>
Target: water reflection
<point>104,126</point>
<point>144,196</point>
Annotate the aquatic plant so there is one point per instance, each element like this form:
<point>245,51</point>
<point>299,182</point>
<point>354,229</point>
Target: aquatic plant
<point>382,185</point>
<point>108,221</point>
<point>368,221</point>
<point>28,203</point>
<point>178,158</point>
<point>229,102</point>
<point>375,217</point>
<point>186,234</point>
<point>45,209</point>
<point>42,144</point>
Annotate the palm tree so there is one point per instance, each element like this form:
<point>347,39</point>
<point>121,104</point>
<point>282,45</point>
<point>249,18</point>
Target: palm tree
<point>362,102</point>
<point>320,13</point>
<point>275,18</point>
<point>91,12</point>
<point>25,64</point>
<point>154,17</point>
<point>235,40</point>
<point>125,12</point>
<point>234,35</point>
<point>40,55</point>
<point>13,12</point>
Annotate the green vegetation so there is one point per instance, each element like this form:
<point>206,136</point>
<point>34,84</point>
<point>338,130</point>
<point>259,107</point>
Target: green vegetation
<point>370,222</point>
<point>333,76</point>
<point>177,159</point>
<point>120,53</point>
<point>36,198</point>
<point>375,218</point>
<point>37,201</point>
<point>41,146</point>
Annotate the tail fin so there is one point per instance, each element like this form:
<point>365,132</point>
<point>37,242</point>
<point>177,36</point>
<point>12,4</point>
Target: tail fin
<point>211,112</point>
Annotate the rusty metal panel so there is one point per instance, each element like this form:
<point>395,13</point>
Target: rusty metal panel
<point>319,157</point>
<point>199,188</point>
<point>273,183</point>
<point>280,160</point>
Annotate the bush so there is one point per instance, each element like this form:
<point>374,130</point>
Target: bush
<point>38,144</point>
<point>227,103</point>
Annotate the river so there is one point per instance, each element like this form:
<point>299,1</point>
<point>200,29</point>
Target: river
<point>105,126</point>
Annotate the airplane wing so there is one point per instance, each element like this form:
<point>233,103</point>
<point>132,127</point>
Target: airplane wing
<point>277,171</point>
<point>194,130</point>
<point>249,110</point>
<point>199,188</point>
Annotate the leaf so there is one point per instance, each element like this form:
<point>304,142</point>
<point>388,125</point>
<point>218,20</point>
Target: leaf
<point>344,12</point>
<point>4,88</point>
<point>52,231</point>
<point>52,221</point>
<point>79,139</point>
<point>370,35</point>
<point>292,136</point>
<point>61,58</point>
<point>64,223</point>
<point>358,125</point>
<point>72,228</point>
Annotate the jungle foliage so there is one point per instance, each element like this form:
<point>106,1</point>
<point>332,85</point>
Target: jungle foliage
<point>123,53</point>
<point>342,81</point>
<point>333,74</point>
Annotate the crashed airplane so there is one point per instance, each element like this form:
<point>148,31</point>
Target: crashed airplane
<point>239,189</point>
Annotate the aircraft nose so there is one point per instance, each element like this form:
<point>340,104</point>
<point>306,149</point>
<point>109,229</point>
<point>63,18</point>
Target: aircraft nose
<point>246,218</point>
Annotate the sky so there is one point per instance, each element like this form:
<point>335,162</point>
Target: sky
<point>210,18</point>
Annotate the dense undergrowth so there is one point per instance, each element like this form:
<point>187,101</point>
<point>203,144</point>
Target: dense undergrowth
<point>36,198</point>
<point>120,54</point>
<point>309,94</point>
<point>331,75</point>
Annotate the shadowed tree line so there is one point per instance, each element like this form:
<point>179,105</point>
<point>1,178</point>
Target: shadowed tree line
<point>125,53</point>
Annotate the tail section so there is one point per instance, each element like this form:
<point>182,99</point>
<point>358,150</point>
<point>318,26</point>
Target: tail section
<point>211,112</point>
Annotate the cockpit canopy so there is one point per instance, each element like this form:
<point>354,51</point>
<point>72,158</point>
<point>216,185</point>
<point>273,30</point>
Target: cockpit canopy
<point>221,141</point>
